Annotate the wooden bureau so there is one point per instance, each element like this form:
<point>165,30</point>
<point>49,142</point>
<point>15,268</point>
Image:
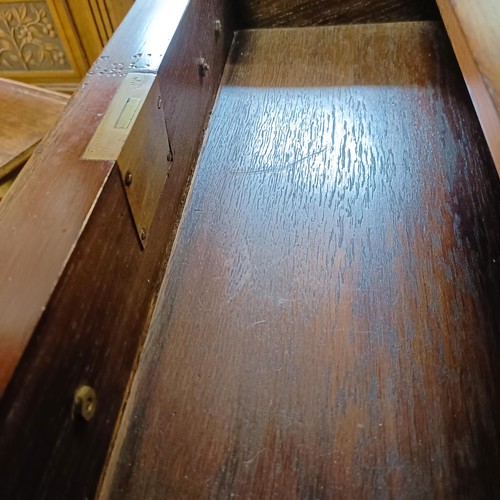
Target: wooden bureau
<point>258,257</point>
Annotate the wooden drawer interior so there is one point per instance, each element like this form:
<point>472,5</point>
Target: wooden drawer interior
<point>327,323</point>
<point>317,311</point>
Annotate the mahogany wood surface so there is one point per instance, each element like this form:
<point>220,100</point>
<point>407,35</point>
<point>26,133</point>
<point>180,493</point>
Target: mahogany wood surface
<point>93,325</point>
<point>272,13</point>
<point>44,213</point>
<point>328,326</point>
<point>474,30</point>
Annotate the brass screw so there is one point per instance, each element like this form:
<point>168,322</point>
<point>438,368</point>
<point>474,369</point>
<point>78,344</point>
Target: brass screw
<point>218,27</point>
<point>128,178</point>
<point>203,66</point>
<point>85,402</point>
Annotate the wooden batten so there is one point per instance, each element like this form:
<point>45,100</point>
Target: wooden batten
<point>283,13</point>
<point>76,288</point>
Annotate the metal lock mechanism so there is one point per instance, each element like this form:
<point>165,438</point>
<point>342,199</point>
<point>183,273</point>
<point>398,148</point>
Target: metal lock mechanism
<point>133,133</point>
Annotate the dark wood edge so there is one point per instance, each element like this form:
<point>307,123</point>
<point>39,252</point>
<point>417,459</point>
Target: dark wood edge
<point>94,323</point>
<point>478,89</point>
<point>46,210</point>
<point>253,14</point>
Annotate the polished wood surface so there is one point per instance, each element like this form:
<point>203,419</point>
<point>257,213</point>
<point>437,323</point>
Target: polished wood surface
<point>27,114</point>
<point>72,250</point>
<point>328,325</point>
<point>58,189</point>
<point>474,29</point>
<point>271,13</point>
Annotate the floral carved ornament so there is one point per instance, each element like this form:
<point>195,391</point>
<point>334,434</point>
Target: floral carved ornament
<point>28,38</point>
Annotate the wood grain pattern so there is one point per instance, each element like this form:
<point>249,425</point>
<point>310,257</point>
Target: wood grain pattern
<point>59,190</point>
<point>117,10</point>
<point>6,183</point>
<point>27,114</point>
<point>272,13</point>
<point>329,322</point>
<point>473,28</point>
<point>92,327</point>
<point>94,22</point>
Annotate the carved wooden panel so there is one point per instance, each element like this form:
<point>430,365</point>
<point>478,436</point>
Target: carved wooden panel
<point>29,39</point>
<point>54,42</point>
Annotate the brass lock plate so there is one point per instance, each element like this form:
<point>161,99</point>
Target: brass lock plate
<point>134,134</point>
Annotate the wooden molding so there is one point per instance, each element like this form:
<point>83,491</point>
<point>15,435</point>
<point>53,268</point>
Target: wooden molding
<point>473,28</point>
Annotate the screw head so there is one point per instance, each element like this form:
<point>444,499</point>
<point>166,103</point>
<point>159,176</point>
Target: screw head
<point>128,178</point>
<point>203,66</point>
<point>85,402</point>
<point>144,234</point>
<point>218,27</point>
